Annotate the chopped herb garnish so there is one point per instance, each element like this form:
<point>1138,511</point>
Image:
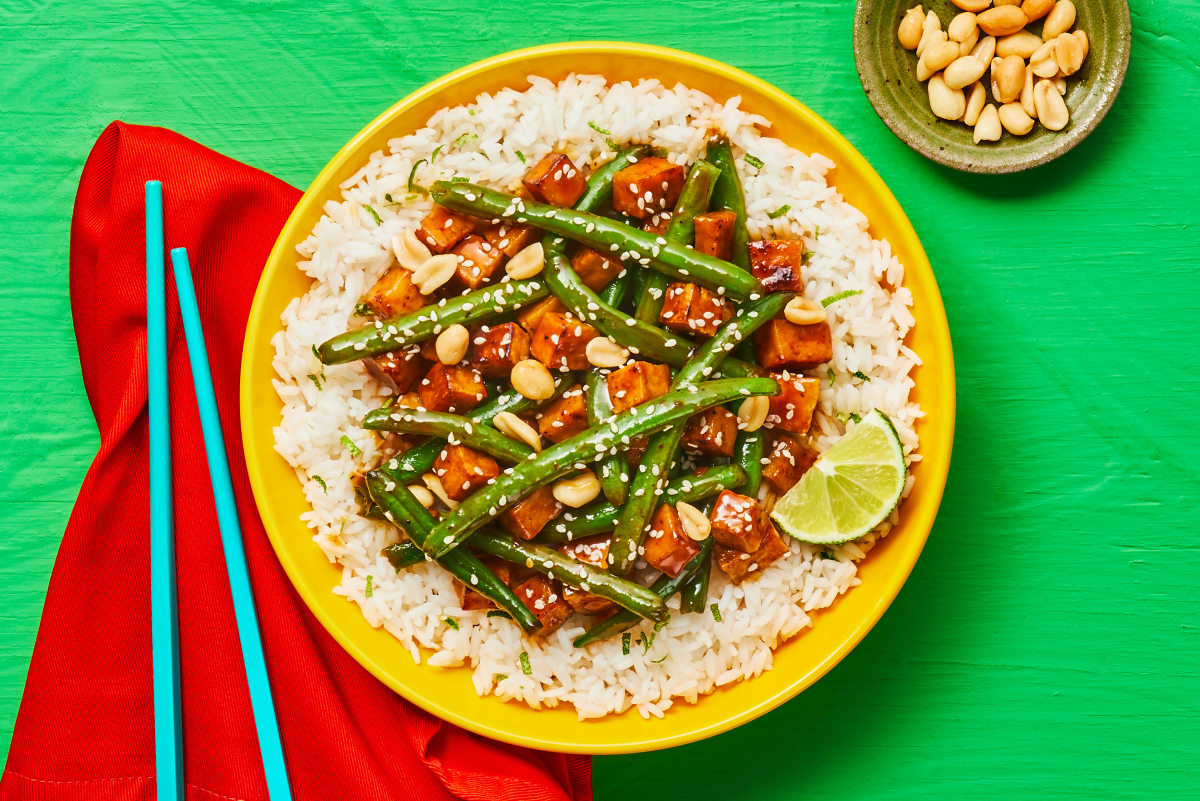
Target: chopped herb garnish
<point>316,379</point>
<point>459,179</point>
<point>355,451</point>
<point>754,161</point>
<point>860,375</point>
<point>433,156</point>
<point>451,622</point>
<point>598,129</point>
<point>499,677</point>
<point>321,482</point>
<point>370,590</point>
<point>779,212</point>
<point>660,659</point>
<point>832,299</point>
<point>855,417</point>
<point>659,625</point>
<point>388,197</point>
<point>526,668</point>
<point>375,214</point>
<point>316,352</point>
<point>363,310</point>
<point>412,174</point>
<point>647,641</point>
<point>716,612</point>
<point>827,555</point>
<point>832,376</point>
<point>467,137</point>
<point>470,112</point>
<point>626,638</point>
<point>521,156</point>
<point>816,231</point>
<point>611,143</point>
<point>497,613</point>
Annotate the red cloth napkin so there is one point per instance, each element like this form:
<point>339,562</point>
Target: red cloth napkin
<point>84,730</point>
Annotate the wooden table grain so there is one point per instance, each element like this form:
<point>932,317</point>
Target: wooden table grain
<point>1046,644</point>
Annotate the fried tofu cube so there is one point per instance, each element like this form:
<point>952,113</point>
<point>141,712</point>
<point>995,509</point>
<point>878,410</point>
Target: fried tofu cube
<point>510,237</point>
<point>530,316</point>
<point>647,187</point>
<point>795,347</point>
<point>667,548</point>
<point>693,309</point>
<point>658,224</point>
<point>594,268</point>
<point>777,264</point>
<point>712,432</point>
<point>442,229</point>
<point>636,383</point>
<point>555,180</point>
<point>403,368</point>
<point>451,388</point>
<point>737,521</point>
<point>463,470</point>
<point>560,341</point>
<point>544,597</point>
<point>470,600</point>
<point>714,233</point>
<point>788,460</point>
<point>565,417</point>
<point>740,566</point>
<point>792,409</point>
<point>496,349</point>
<point>526,518</point>
<point>477,260</point>
<point>394,293</point>
<point>591,551</point>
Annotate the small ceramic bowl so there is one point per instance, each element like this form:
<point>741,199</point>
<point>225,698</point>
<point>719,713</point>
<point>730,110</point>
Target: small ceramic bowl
<point>888,75</point>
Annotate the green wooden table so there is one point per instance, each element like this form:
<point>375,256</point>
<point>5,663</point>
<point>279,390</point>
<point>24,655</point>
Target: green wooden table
<point>1046,644</point>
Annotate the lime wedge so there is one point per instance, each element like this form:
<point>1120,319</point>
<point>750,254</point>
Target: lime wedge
<point>851,489</point>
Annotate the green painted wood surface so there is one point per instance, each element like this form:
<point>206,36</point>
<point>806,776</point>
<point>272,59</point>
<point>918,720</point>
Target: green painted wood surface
<point>1045,646</point>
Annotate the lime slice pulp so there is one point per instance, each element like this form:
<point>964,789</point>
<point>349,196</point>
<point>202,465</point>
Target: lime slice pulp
<point>851,489</point>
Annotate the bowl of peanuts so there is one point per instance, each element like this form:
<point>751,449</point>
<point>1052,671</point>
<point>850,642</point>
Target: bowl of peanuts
<point>992,86</point>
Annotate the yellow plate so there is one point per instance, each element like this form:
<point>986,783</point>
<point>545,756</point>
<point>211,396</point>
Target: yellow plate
<point>447,692</point>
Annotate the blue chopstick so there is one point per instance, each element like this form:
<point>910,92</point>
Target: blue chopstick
<point>261,702</point>
<point>164,634</point>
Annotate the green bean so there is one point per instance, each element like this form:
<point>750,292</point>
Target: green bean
<point>444,425</point>
<point>728,195</point>
<point>562,458</point>
<point>634,597</point>
<point>615,292</point>
<point>601,517</point>
<point>694,594</point>
<point>661,449</point>
<point>419,459</point>
<point>665,587</point>
<point>748,452</point>
<point>405,511</point>
<point>599,186</point>
<point>611,467</point>
<point>396,333</point>
<point>602,234</point>
<point>404,554</point>
<point>693,200</point>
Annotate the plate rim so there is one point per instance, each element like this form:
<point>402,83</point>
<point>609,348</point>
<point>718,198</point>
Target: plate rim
<point>283,250</point>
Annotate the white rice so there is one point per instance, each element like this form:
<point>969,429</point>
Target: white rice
<point>485,142</point>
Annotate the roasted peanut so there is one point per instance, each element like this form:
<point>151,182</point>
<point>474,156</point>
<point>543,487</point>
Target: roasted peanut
<point>987,129</point>
<point>964,71</point>
<point>694,522</point>
<point>976,98</point>
<point>909,32</point>
<point>1021,43</point>
<point>526,264</point>
<point>1015,120</point>
<point>435,486</point>
<point>410,252</point>
<point>451,344</point>
<point>961,27</point>
<point>531,378</point>
<point>752,413</point>
<point>434,271</point>
<point>1059,20</point>
<point>1002,21</point>
<point>1036,9</point>
<point>1061,85</point>
<point>803,311</point>
<point>930,37</point>
<point>1026,98</point>
<point>1068,53</point>
<point>1051,108</point>
<point>603,352</point>
<point>1006,2</point>
<point>1042,62</point>
<point>939,55</point>
<point>512,426</point>
<point>972,5</point>
<point>985,49</point>
<point>1007,78</point>
<point>1083,40</point>
<point>967,45</point>
<point>422,494</point>
<point>947,103</point>
<point>578,490</point>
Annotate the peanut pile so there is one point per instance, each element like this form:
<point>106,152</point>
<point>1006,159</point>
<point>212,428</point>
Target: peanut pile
<point>1028,70</point>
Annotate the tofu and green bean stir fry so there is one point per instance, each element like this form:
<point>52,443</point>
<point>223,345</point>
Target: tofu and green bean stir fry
<point>598,385</point>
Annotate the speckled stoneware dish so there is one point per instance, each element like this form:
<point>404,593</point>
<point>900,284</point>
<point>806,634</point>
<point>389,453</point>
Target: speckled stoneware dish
<point>888,75</point>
